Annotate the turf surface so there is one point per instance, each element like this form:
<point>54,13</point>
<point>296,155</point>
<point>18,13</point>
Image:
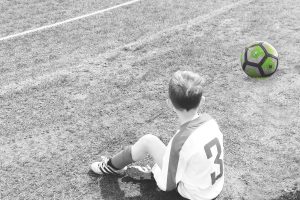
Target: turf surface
<point>71,94</point>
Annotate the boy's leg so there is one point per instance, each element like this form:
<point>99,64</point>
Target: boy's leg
<point>148,144</point>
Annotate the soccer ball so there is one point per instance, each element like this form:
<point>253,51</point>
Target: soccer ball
<point>259,59</point>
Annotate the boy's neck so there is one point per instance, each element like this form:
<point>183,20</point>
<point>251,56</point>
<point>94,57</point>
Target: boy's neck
<point>185,117</point>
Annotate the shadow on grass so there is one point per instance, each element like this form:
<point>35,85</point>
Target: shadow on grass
<point>110,189</point>
<point>293,195</point>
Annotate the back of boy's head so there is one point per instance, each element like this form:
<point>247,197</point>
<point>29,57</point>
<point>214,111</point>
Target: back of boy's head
<point>185,90</point>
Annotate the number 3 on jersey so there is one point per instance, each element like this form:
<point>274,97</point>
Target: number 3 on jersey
<point>218,161</point>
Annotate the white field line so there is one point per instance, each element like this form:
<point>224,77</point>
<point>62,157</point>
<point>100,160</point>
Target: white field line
<point>32,82</point>
<point>66,21</point>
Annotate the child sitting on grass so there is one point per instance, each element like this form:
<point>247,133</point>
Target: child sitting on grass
<point>192,162</point>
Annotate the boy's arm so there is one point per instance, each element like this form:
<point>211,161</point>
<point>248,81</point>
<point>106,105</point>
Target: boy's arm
<point>171,172</point>
<point>161,174</point>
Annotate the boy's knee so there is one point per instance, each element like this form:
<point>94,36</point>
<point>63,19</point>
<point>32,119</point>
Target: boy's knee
<point>149,138</point>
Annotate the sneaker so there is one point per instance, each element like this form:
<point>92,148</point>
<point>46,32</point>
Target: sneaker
<point>139,173</point>
<point>103,168</point>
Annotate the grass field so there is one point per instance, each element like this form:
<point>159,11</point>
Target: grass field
<point>87,88</point>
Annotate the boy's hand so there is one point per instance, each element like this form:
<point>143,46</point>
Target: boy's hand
<point>139,173</point>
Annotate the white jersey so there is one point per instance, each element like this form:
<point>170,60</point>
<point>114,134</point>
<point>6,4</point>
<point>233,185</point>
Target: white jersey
<point>193,161</point>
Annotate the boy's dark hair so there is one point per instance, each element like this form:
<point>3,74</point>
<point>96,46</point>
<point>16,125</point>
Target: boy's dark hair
<point>185,90</point>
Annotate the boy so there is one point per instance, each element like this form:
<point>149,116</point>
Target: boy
<point>192,162</point>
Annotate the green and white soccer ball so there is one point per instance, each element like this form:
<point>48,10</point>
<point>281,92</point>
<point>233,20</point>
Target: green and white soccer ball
<point>259,59</point>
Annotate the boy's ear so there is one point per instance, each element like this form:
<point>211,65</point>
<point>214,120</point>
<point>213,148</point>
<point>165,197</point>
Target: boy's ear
<point>202,102</point>
<point>170,105</point>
